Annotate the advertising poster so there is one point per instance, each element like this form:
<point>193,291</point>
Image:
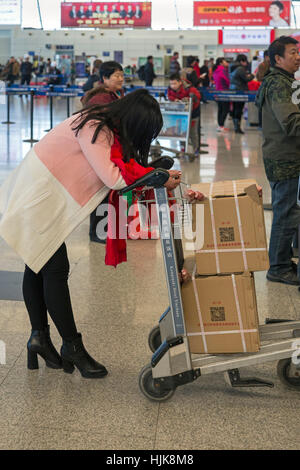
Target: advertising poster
<point>175,125</point>
<point>106,15</point>
<point>242,13</point>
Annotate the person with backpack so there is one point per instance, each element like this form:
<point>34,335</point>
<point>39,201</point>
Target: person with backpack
<point>188,73</point>
<point>149,71</point>
<point>239,78</point>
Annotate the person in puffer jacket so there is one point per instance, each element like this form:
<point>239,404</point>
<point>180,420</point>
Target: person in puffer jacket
<point>181,90</point>
<point>239,78</point>
<point>222,82</point>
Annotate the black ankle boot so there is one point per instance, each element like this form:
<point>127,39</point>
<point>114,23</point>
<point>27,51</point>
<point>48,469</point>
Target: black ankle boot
<point>40,343</point>
<point>73,353</point>
<point>237,126</point>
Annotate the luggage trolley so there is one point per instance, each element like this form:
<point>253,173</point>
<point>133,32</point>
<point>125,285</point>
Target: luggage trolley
<point>172,364</point>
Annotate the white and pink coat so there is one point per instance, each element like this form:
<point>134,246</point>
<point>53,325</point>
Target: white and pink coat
<point>61,180</point>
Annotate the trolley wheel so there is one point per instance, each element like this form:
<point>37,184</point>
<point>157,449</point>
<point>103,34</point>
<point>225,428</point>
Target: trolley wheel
<point>148,388</point>
<point>288,374</point>
<point>154,339</point>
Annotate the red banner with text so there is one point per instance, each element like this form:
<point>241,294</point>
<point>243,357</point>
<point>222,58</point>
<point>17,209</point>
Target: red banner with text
<point>106,14</point>
<point>242,13</point>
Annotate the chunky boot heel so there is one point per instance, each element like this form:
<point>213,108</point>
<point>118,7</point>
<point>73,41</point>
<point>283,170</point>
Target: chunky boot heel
<point>74,353</point>
<point>40,343</point>
<point>67,366</point>
<point>32,360</point>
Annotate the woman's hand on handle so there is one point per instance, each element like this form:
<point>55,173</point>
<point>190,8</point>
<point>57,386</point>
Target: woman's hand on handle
<point>174,180</point>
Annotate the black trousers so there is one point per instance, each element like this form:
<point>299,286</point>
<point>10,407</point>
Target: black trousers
<point>238,107</point>
<point>223,110</point>
<point>48,291</point>
<point>25,79</point>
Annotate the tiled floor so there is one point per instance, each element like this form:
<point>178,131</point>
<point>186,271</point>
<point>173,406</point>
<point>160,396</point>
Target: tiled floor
<point>115,310</point>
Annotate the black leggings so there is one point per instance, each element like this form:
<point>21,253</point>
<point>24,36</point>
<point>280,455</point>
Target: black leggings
<point>48,291</point>
<point>238,107</point>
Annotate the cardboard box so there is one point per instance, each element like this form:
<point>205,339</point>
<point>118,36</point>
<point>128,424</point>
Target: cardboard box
<point>234,228</point>
<point>221,314</point>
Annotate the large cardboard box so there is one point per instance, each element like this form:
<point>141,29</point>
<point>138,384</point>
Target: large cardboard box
<point>221,314</point>
<point>234,228</point>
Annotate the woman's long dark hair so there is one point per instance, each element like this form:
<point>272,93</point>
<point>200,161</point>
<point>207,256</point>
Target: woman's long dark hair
<point>136,119</point>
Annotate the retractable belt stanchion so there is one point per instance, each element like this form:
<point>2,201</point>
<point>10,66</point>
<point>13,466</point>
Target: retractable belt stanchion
<point>201,144</point>
<point>51,88</point>
<point>31,140</point>
<point>199,134</point>
<point>68,106</point>
<point>8,121</point>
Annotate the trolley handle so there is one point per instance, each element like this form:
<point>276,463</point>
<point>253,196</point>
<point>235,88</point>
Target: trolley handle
<point>155,179</point>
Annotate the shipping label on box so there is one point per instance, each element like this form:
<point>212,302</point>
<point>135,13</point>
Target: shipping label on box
<point>221,314</point>
<point>234,228</point>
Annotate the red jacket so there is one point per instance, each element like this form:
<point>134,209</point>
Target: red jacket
<point>100,95</point>
<point>184,92</point>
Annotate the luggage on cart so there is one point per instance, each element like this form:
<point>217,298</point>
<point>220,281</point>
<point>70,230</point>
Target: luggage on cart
<point>172,362</point>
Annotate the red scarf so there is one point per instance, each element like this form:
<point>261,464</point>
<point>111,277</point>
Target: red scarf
<point>117,232</point>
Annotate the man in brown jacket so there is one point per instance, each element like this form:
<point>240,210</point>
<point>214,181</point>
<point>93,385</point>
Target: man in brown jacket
<point>13,71</point>
<point>263,68</point>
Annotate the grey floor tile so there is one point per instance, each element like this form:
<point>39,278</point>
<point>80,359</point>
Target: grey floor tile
<point>44,438</point>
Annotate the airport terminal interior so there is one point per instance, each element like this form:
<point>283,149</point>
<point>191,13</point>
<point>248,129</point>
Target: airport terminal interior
<point>115,309</point>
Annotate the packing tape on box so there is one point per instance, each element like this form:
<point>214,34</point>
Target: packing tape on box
<point>240,224</point>
<point>216,249</point>
<point>223,250</point>
<point>199,310</point>
<point>203,333</point>
<point>214,227</point>
<point>237,303</point>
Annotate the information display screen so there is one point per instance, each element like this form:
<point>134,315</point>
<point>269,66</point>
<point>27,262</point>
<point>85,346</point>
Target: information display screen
<point>106,14</point>
<point>10,12</point>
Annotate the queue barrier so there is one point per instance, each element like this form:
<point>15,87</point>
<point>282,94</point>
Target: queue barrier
<point>51,91</point>
<point>73,91</point>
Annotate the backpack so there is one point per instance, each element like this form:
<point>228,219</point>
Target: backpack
<point>141,72</point>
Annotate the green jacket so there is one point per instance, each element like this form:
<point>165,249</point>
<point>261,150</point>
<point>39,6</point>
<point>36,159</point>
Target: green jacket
<point>280,124</point>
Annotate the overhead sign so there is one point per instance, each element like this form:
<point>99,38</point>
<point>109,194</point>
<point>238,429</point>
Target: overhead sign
<point>10,12</point>
<point>247,37</point>
<point>106,14</point>
<point>242,13</point>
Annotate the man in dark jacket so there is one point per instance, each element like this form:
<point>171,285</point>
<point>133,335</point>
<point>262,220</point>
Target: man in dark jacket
<point>174,64</point>
<point>278,98</point>
<point>149,71</point>
<point>239,78</point>
<point>26,71</point>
